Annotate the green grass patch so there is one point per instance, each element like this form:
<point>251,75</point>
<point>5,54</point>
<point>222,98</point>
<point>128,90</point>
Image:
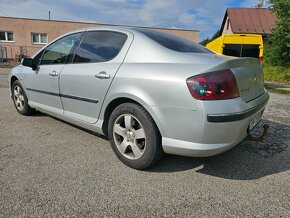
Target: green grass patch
<point>276,73</point>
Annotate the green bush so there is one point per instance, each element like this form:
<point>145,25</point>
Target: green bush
<point>277,53</point>
<point>276,73</point>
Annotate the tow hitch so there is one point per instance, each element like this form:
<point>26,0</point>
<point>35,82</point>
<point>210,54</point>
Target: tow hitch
<point>261,137</point>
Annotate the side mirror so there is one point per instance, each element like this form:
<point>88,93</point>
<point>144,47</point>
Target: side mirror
<point>28,62</point>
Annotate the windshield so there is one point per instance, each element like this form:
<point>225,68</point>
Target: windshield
<point>174,43</point>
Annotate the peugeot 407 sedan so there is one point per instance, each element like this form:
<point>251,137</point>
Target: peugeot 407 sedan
<point>148,91</point>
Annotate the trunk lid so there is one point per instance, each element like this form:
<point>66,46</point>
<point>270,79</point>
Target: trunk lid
<point>249,77</point>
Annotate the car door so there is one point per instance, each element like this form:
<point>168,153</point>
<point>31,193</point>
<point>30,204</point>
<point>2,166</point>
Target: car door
<point>42,84</point>
<point>87,78</point>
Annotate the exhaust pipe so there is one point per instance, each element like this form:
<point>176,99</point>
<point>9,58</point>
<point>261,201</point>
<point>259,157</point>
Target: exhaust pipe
<point>261,137</point>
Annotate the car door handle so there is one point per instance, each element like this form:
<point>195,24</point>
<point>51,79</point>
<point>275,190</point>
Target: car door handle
<point>103,75</point>
<point>53,73</point>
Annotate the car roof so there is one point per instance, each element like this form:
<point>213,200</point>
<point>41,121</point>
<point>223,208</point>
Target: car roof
<point>112,28</point>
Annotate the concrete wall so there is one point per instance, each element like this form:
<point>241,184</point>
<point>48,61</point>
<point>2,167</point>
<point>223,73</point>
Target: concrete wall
<point>22,29</point>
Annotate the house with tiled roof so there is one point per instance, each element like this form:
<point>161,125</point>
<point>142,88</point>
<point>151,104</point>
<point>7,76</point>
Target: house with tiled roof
<point>248,21</point>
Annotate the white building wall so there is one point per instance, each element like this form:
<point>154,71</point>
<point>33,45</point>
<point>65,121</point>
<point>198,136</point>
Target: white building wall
<point>229,30</point>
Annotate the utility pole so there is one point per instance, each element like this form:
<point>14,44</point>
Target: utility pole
<point>48,14</point>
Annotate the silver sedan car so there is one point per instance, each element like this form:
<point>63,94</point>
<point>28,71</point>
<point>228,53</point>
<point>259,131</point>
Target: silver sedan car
<point>148,91</point>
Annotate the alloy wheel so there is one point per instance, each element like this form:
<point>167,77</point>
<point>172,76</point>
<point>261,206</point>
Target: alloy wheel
<point>129,136</point>
<point>18,98</point>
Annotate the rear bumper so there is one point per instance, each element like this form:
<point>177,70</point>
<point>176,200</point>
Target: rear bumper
<point>202,133</point>
<point>219,118</point>
<point>191,149</point>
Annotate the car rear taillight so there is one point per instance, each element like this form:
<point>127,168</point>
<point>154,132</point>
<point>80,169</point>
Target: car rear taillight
<point>260,59</point>
<point>217,85</point>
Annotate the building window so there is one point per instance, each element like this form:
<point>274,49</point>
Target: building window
<point>39,38</point>
<point>6,36</point>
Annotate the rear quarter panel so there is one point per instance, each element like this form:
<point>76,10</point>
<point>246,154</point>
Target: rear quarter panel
<point>156,84</point>
<point>155,87</point>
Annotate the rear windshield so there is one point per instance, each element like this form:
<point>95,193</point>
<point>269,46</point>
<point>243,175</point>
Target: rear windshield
<point>242,50</point>
<point>174,43</point>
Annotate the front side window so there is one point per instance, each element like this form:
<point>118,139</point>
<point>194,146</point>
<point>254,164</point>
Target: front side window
<point>58,52</point>
<point>99,46</point>
<point>6,36</point>
<point>37,58</point>
<point>39,38</point>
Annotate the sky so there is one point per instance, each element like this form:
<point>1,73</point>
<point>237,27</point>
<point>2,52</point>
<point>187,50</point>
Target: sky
<point>203,15</point>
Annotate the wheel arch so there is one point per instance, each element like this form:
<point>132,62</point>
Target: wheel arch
<point>12,80</point>
<point>121,100</point>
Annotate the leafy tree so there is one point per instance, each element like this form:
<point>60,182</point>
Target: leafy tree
<point>208,40</point>
<point>277,53</point>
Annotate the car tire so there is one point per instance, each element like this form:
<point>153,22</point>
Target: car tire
<point>20,99</point>
<point>134,136</point>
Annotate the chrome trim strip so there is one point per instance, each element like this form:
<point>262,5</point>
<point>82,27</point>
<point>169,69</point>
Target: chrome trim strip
<point>64,95</point>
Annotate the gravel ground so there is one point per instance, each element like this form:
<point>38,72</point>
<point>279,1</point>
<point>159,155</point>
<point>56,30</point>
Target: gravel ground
<point>50,168</point>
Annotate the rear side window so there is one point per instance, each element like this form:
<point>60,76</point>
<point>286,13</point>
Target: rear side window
<point>99,46</point>
<point>174,43</point>
<point>241,50</point>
